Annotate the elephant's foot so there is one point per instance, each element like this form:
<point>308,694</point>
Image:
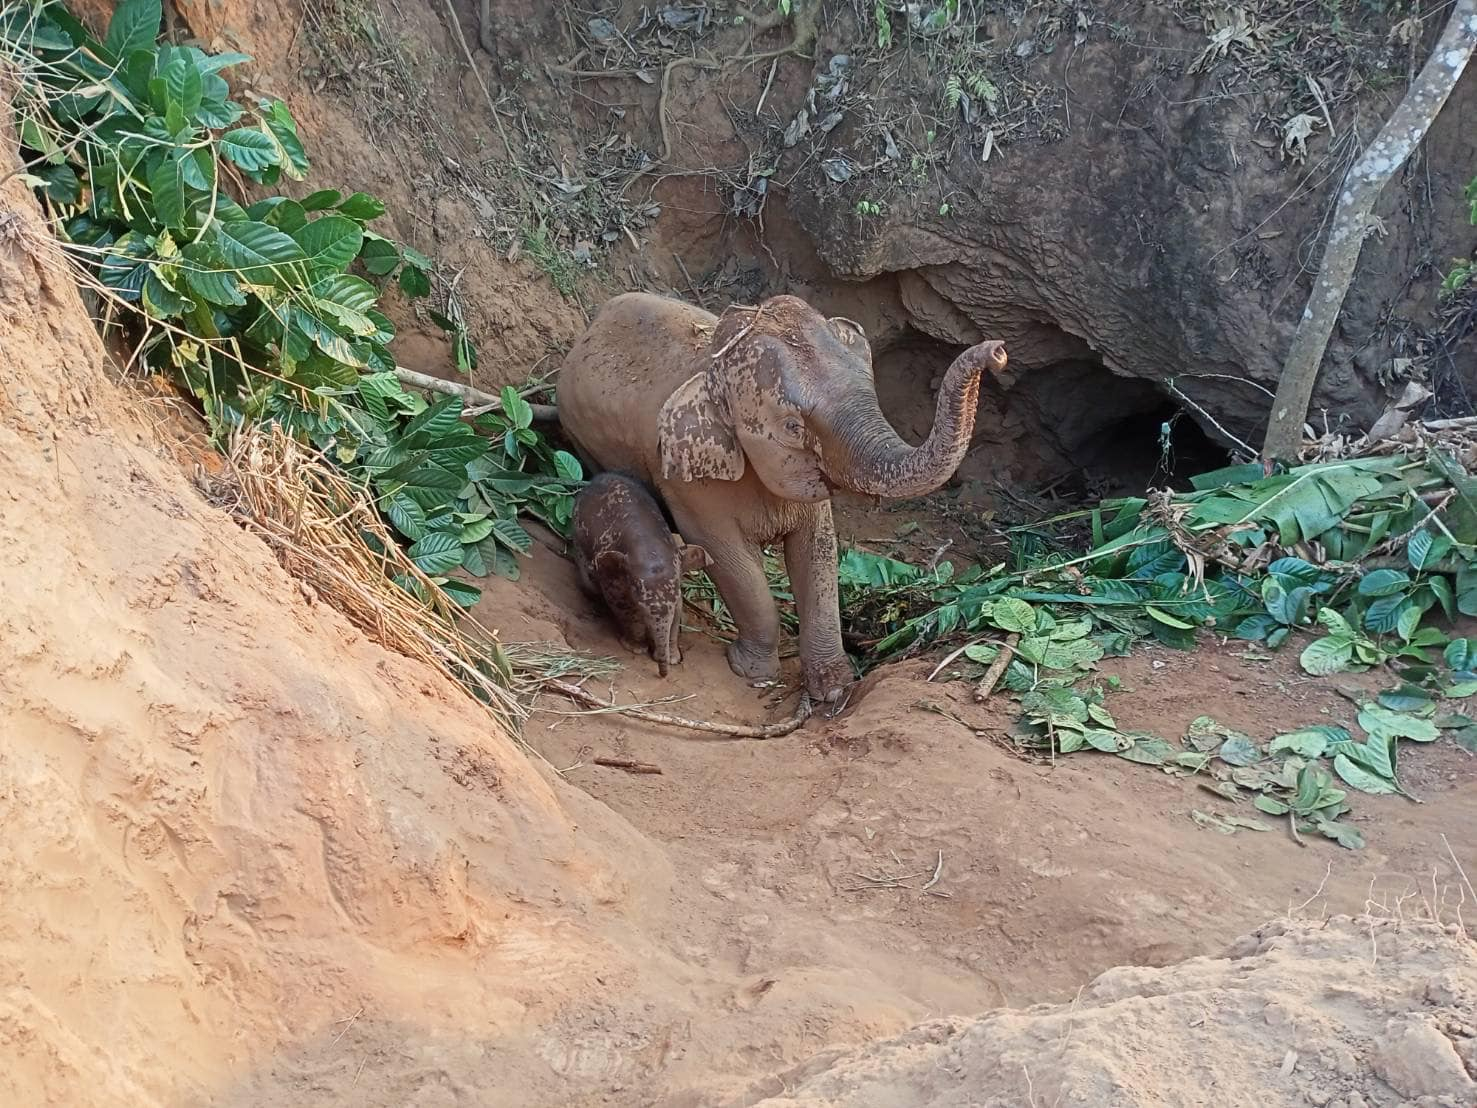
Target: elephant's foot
<point>827,681</point>
<point>757,663</point>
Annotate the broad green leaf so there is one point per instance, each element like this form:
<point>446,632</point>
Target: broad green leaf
<point>1238,750</point>
<point>249,148</point>
<point>1384,723</point>
<point>1466,590</point>
<point>1309,742</point>
<point>461,593</point>
<point>207,276</point>
<point>134,26</point>
<point>167,188</point>
<point>182,87</point>
<point>1383,582</point>
<point>330,243</point>
<point>1461,654</point>
<point>436,422</point>
<point>1148,750</point>
<point>262,254</point>
<point>1408,621</point>
<point>363,207</point>
<point>1378,755</point>
<point>1418,548</point>
<point>511,535</point>
<point>1109,742</point>
<point>408,517</point>
<point>1384,615</point>
<point>1407,698</point>
<point>1271,805</point>
<point>1010,614</point>
<point>1256,628</point>
<point>379,255</point>
<point>515,408</point>
<point>278,123</point>
<point>414,282</point>
<point>476,531</point>
<point>1167,619</point>
<point>982,652</point>
<point>438,552</point>
<point>1342,833</point>
<point>1441,588</point>
<point>567,466</point>
<point>321,200</point>
<point>1357,777</point>
<point>1101,715</point>
<point>288,216</point>
<point>1327,655</point>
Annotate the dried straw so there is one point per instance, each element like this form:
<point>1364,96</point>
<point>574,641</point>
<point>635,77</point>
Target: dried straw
<point>325,531</point>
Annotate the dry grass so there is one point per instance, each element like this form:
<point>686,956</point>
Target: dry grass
<point>326,532</point>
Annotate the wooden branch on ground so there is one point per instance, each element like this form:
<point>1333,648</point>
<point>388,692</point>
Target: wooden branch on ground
<point>992,675</point>
<point>486,401</point>
<point>728,730</point>
<point>1358,193</point>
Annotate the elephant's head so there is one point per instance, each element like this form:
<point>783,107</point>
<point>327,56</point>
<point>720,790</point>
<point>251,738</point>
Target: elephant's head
<point>790,393</point>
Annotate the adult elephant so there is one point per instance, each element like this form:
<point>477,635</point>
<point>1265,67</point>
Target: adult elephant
<point>746,423</point>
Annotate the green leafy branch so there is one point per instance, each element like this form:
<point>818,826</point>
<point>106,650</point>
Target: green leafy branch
<point>272,310</point>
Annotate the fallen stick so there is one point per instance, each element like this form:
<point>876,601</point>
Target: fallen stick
<point>544,413</point>
<point>991,678</point>
<point>628,765</point>
<point>729,730</point>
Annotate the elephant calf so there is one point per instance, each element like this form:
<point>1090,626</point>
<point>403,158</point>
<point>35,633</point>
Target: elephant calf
<point>626,555</point>
<point>745,424</point>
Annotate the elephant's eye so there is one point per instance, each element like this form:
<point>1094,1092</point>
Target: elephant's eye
<point>794,427</point>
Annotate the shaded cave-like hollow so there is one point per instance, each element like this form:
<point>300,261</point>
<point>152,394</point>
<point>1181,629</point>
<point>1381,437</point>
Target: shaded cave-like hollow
<point>1073,425</point>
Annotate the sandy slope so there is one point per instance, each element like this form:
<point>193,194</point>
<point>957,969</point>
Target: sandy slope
<point>1351,1012</point>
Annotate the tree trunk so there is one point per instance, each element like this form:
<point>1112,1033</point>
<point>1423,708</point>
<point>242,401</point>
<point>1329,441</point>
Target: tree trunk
<point>1360,189</point>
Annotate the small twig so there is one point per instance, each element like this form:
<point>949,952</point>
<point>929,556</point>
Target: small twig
<point>938,872</point>
<point>691,284</point>
<point>743,331</point>
<point>628,765</point>
<point>1292,823</point>
<point>1467,884</point>
<point>949,657</point>
<point>763,96</point>
<point>992,675</point>
<point>481,401</point>
<point>730,730</point>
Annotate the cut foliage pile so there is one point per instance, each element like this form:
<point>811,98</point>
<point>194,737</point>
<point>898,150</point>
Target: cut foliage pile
<point>1360,558</point>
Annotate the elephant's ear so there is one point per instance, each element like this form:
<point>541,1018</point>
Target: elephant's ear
<point>849,331</point>
<point>695,440</point>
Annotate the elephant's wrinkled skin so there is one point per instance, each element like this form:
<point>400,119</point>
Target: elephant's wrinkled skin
<point>746,424</point>
<point>626,555</point>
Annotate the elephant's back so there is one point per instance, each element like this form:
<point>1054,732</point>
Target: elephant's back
<point>616,377</point>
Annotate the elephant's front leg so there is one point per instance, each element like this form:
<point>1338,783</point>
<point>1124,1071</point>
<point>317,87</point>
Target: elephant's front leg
<point>737,568</point>
<point>810,556</point>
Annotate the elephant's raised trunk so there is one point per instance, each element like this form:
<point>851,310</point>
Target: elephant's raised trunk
<point>862,453</point>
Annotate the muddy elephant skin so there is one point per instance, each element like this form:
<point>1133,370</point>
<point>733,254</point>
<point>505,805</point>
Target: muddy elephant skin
<point>745,424</point>
<point>626,555</point>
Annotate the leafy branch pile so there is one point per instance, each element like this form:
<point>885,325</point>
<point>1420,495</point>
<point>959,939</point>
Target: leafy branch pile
<point>1366,548</point>
<point>268,312</point>
<point>1357,556</point>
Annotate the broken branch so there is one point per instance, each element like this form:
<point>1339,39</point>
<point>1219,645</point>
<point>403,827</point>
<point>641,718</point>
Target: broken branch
<point>728,730</point>
<point>544,413</point>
